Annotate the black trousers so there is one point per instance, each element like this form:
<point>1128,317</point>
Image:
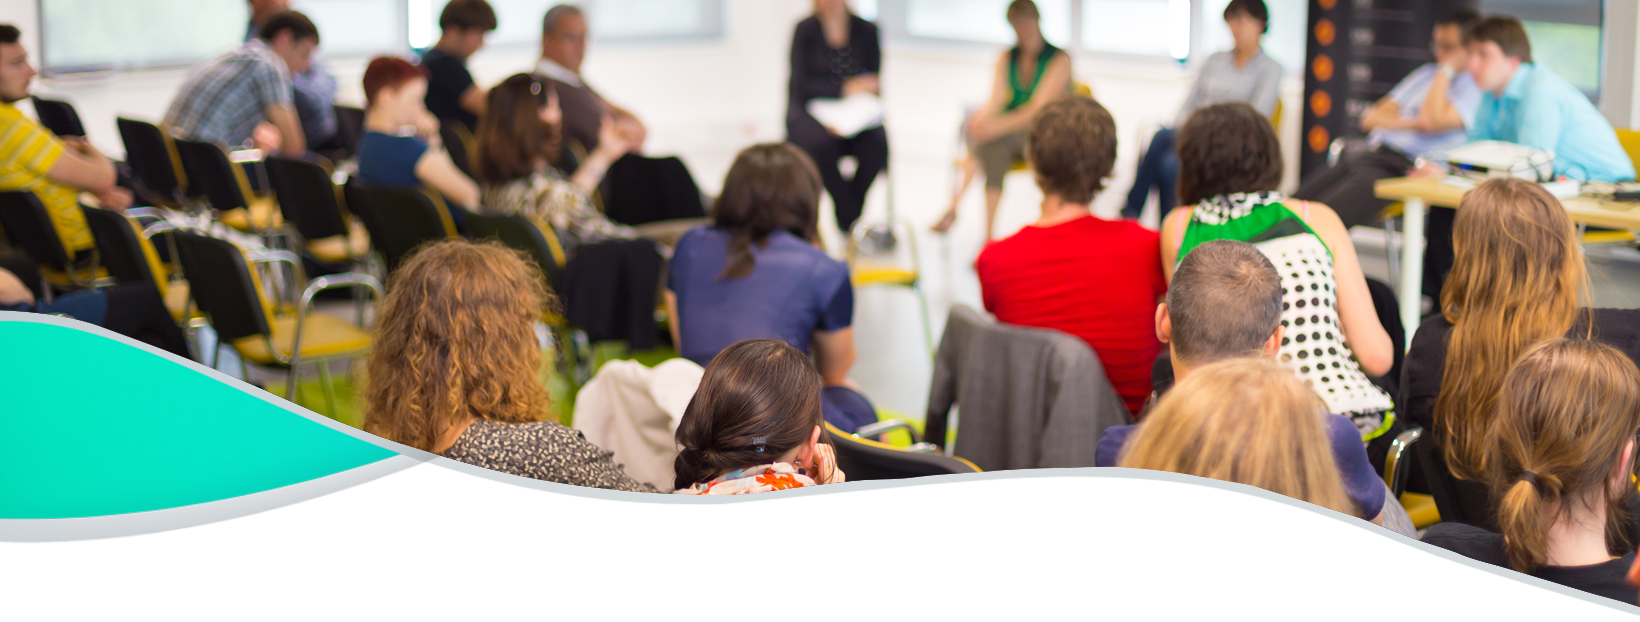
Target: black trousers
<point>870,148</point>
<point>1347,186</point>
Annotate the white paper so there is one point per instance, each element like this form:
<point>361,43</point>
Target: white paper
<point>848,116</point>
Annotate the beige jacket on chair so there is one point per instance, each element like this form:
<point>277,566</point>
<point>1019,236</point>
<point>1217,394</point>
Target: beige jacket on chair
<point>634,411</point>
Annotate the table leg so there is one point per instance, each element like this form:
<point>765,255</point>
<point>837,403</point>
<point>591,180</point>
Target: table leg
<point>1412,266</point>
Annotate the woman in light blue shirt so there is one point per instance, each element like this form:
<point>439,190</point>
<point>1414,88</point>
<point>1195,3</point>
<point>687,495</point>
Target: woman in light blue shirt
<point>755,427</point>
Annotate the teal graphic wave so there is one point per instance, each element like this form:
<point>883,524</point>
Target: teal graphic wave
<point>103,437</point>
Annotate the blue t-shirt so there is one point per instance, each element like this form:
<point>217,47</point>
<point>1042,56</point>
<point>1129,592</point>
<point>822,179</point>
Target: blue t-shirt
<point>1540,109</point>
<point>1361,482</point>
<point>87,305</point>
<point>830,571</point>
<point>388,160</point>
<point>793,291</point>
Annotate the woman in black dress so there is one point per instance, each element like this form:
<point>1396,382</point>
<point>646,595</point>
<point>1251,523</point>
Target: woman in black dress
<point>836,54</point>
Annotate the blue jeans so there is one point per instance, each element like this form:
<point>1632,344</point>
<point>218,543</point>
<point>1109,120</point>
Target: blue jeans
<point>1160,170</point>
<point>981,599</point>
<point>343,588</point>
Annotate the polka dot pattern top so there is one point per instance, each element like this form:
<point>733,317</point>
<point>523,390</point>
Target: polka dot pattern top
<point>561,542</point>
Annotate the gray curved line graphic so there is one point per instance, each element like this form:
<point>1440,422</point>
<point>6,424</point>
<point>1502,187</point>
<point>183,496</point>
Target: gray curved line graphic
<point>176,518</point>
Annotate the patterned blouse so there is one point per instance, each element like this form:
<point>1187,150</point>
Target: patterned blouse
<point>549,197</point>
<point>765,478</point>
<point>561,542</point>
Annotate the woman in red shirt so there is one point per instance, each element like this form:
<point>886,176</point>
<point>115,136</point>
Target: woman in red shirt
<point>1070,271</point>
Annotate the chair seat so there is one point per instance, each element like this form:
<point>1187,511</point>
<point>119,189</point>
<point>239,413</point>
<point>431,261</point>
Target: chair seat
<point>262,215</point>
<point>1393,210</point>
<point>323,335</point>
<point>1607,237</point>
<point>176,300</point>
<point>884,275</point>
<point>1421,509</point>
<point>341,249</point>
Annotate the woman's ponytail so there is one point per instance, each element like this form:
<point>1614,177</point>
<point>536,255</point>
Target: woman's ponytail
<point>1524,518</point>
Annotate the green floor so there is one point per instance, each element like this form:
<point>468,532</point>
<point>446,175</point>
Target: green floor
<point>199,557</point>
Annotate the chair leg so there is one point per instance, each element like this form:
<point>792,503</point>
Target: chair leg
<point>290,383</point>
<point>330,389</point>
<point>928,330</point>
<point>1391,255</point>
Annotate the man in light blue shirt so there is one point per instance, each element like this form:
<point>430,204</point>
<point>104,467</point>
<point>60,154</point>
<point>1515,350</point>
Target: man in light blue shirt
<point>1529,105</point>
<point>1424,115</point>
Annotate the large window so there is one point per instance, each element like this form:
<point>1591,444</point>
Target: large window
<point>1284,40</point>
<point>355,27</point>
<point>1159,29</point>
<point>609,20</point>
<point>93,35</point>
<point>1143,27</point>
<point>1565,36</point>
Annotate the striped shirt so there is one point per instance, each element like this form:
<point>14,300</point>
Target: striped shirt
<point>27,153</point>
<point>224,98</point>
<point>30,585</point>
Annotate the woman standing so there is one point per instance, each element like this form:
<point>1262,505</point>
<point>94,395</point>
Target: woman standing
<point>1028,76</point>
<point>835,53</point>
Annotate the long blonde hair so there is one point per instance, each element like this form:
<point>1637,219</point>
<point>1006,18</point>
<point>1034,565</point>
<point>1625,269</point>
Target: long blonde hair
<point>455,341</point>
<point>1222,553</point>
<point>1565,413</point>
<point>1517,279</point>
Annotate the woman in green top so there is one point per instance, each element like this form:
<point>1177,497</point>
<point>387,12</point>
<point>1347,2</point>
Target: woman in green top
<point>1028,77</point>
<point>1229,167</point>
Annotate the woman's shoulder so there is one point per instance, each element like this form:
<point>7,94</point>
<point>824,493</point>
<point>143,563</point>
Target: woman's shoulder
<point>534,433</point>
<point>1468,540</point>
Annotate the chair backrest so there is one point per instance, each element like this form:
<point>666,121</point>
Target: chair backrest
<point>59,117</point>
<point>639,190</point>
<point>306,197</point>
<point>1630,139</point>
<point>459,143</point>
<point>398,219</point>
<point>210,174</point>
<point>152,158</point>
<point>1458,501</point>
<point>222,285</point>
<point>521,233</point>
<point>451,583</point>
<point>287,545</point>
<point>28,226</point>
<point>120,247</point>
<point>349,127</point>
<point>930,537</point>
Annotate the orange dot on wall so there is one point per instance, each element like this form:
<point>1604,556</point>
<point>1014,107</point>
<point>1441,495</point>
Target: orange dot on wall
<point>1321,103</point>
<point>1323,67</point>
<point>1327,5</point>
<point>1319,139</point>
<point>1325,31</point>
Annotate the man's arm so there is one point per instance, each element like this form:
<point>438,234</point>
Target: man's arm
<point>291,140</point>
<point>1438,115</point>
<point>1385,115</point>
<point>473,99</point>
<point>83,167</point>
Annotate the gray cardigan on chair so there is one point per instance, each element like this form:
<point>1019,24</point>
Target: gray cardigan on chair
<point>1029,397</point>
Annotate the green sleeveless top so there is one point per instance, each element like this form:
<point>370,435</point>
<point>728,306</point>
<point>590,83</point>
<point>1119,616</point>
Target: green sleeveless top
<point>1022,91</point>
<point>1312,344</point>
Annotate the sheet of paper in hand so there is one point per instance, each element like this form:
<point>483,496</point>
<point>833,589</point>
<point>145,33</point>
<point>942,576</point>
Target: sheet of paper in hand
<point>848,116</point>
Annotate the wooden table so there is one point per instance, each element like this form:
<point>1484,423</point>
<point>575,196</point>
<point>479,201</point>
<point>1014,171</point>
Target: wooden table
<point>1418,194</point>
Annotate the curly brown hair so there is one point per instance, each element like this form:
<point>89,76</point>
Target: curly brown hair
<point>455,341</point>
<point>1072,148</point>
<point>1226,149</point>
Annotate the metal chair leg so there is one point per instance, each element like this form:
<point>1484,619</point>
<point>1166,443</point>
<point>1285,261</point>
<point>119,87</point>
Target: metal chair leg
<point>330,389</point>
<point>290,383</point>
<point>1391,255</point>
<point>928,329</point>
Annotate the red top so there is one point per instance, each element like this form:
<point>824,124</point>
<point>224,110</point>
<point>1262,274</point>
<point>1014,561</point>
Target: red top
<point>1096,279</point>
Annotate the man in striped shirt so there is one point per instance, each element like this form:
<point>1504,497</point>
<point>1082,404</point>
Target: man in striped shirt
<point>35,160</point>
<point>227,99</point>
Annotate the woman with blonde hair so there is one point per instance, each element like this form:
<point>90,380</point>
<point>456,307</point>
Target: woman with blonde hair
<point>455,368</point>
<point>1186,550</point>
<point>1560,458</point>
<point>1517,279</point>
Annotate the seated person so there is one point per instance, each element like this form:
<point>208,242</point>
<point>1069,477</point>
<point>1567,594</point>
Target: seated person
<point>1423,116</point>
<point>314,88</point>
<point>1518,279</point>
<point>755,427</point>
<point>226,98</point>
<point>1074,272</point>
<point>134,310</point>
<point>517,142</point>
<point>454,368</point>
<point>451,93</point>
<point>758,272</point>
<point>55,169</point>
<point>1027,77</point>
<point>1528,104</point>
<point>563,48</point>
<point>1243,74</point>
<point>1560,460</point>
<point>1189,550</point>
<point>30,586</point>
<point>1229,167</point>
<point>401,146</point>
<point>1225,303</point>
<point>836,54</point>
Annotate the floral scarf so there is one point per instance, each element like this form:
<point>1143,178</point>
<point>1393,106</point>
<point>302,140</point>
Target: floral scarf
<point>722,537</point>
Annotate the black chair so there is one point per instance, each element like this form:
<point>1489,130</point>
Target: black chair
<point>639,190</point>
<point>220,182</point>
<point>930,537</point>
<point>59,117</point>
<point>308,201</point>
<point>1458,501</point>
<point>519,232</point>
<point>450,583</point>
<point>398,219</point>
<point>349,127</point>
<point>28,227</point>
<point>130,257</point>
<point>287,545</point>
<point>459,143</point>
<point>153,160</point>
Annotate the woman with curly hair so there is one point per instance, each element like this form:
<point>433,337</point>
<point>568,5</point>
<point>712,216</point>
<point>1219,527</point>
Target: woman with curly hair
<point>455,367</point>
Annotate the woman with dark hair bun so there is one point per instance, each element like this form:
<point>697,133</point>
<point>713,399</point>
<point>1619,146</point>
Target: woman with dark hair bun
<point>755,427</point>
<point>758,272</point>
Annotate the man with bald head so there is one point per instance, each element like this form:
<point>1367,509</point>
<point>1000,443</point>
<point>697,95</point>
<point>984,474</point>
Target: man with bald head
<point>563,48</point>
